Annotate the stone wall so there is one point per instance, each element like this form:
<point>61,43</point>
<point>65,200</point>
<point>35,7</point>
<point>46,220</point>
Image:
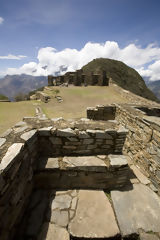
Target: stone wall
<point>143,140</point>
<point>79,78</point>
<point>21,148</point>
<point>101,112</point>
<point>16,173</point>
<point>64,142</point>
<point>142,143</point>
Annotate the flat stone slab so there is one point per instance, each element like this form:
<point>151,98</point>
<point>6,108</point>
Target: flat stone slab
<point>135,209</point>
<point>51,231</point>
<point>50,163</point>
<point>12,153</point>
<point>117,161</point>
<point>143,179</point>
<point>94,216</point>
<point>87,163</point>
<point>148,236</point>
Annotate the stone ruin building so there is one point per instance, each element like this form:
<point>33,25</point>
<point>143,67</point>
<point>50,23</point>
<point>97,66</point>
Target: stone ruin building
<point>92,178</point>
<point>80,78</point>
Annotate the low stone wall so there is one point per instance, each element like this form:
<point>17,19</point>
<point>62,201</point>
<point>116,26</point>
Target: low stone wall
<point>142,143</point>
<point>69,142</point>
<point>101,112</point>
<point>16,173</point>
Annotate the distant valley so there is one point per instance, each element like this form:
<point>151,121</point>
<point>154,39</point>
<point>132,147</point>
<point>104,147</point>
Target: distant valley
<point>11,85</point>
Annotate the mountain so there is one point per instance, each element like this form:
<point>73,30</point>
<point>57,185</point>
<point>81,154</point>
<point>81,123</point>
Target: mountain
<point>154,87</point>
<point>11,85</point>
<point>123,75</point>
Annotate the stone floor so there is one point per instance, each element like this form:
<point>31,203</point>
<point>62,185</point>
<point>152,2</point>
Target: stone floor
<point>131,212</point>
<point>92,214</point>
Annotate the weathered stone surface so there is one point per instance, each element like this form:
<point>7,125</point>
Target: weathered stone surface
<point>122,130</point>
<point>20,124</point>
<point>83,134</point>
<point>51,231</point>
<point>28,135</point>
<point>74,203</point>
<point>117,161</point>
<point>67,132</point>
<point>61,202</point>
<point>148,236</point>
<point>6,133</point>
<point>60,218</point>
<point>55,140</point>
<point>136,209</point>
<point>50,163</point>
<point>88,141</point>
<point>87,163</point>
<point>45,131</point>
<point>94,216</point>
<point>20,129</point>
<point>12,152</point>
<point>2,141</point>
<point>143,179</point>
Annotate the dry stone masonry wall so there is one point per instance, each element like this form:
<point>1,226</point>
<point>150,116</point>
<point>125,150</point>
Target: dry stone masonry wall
<point>22,149</point>
<point>143,140</point>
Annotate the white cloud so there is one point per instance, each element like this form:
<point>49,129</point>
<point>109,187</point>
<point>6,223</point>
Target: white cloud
<point>152,72</point>
<point>1,20</point>
<point>51,61</point>
<point>12,57</point>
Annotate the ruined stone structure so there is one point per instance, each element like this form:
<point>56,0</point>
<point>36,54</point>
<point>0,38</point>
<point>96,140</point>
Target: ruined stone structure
<point>57,177</point>
<point>79,78</point>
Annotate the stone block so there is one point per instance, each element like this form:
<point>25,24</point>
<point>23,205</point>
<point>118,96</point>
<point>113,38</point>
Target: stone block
<point>13,152</point>
<point>56,140</point>
<point>46,131</point>
<point>117,161</point>
<point>88,141</point>
<point>68,132</point>
<point>2,141</point>
<point>29,135</point>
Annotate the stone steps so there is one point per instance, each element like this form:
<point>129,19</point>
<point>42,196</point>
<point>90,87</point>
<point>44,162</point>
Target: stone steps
<point>94,172</point>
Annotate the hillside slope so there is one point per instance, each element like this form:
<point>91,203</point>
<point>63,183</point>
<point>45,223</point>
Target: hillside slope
<point>154,87</point>
<point>11,85</point>
<point>126,77</point>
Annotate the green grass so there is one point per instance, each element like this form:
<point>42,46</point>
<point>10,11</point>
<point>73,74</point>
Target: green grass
<point>13,112</point>
<point>77,99</point>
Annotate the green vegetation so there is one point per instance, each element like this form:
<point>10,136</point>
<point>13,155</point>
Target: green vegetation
<point>13,112</point>
<point>3,97</point>
<point>126,77</point>
<point>77,99</point>
<point>108,194</point>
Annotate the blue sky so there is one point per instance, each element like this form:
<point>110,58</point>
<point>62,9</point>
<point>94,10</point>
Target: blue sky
<point>27,26</point>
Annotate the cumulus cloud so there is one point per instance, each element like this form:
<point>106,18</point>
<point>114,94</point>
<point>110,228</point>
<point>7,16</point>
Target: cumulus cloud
<point>12,57</point>
<point>1,20</point>
<point>51,61</point>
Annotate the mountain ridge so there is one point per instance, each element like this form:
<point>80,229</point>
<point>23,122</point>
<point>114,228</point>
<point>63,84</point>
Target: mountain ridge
<point>123,75</point>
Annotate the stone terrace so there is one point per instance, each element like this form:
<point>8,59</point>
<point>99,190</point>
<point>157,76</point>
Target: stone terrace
<point>66,180</point>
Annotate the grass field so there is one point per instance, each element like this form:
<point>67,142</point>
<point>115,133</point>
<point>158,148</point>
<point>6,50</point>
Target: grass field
<point>75,102</point>
<point>13,112</point>
<point>77,99</point>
